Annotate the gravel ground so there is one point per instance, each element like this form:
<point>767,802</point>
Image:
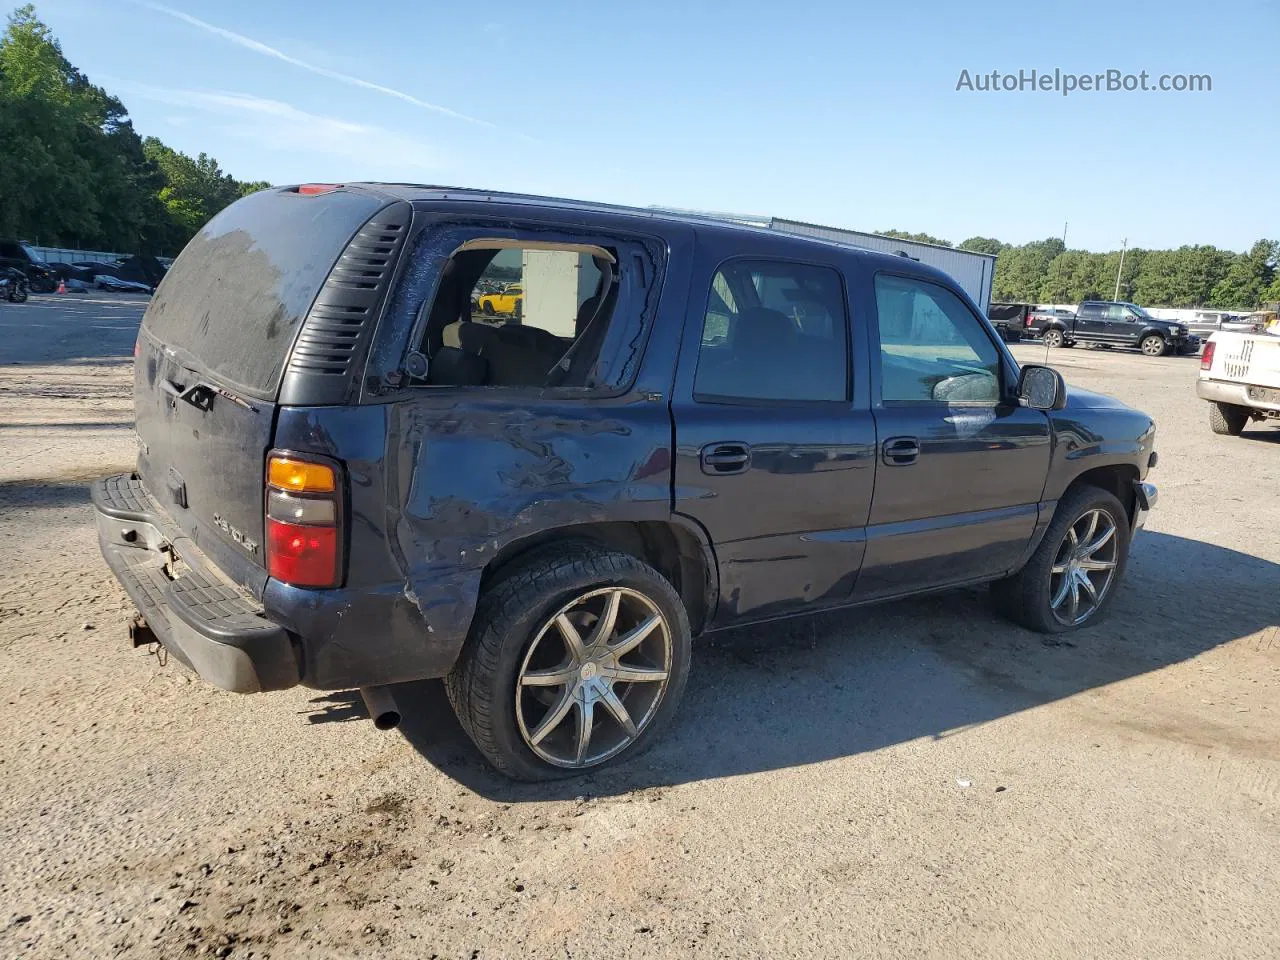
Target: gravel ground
<point>918,779</point>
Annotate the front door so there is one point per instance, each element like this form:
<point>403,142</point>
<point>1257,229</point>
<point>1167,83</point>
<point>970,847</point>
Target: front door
<point>774,458</point>
<point>962,466</point>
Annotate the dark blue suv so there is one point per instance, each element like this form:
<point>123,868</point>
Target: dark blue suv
<point>350,475</point>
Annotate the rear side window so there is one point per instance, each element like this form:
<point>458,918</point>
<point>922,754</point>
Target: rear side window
<point>232,301</point>
<point>774,331</point>
<point>541,314</point>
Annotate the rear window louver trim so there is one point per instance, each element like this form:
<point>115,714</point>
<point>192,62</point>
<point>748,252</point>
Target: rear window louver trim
<point>332,334</point>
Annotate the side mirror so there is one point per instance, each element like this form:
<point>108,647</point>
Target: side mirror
<point>1041,388</point>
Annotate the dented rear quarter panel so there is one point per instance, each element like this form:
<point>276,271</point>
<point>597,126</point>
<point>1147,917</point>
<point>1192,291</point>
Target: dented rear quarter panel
<point>443,480</point>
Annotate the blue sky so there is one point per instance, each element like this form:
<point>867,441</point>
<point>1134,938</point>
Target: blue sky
<point>840,113</point>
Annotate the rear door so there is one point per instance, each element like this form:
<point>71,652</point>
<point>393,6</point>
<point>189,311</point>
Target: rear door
<point>962,465</point>
<point>1090,322</point>
<point>774,439</point>
<point>211,355</point>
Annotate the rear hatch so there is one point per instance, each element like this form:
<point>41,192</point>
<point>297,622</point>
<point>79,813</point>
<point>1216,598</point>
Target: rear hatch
<point>211,355</point>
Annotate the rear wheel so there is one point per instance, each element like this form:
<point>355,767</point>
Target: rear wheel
<point>1053,338</point>
<point>1153,345</point>
<point>486,307</point>
<point>1227,419</point>
<point>577,656</point>
<point>1069,581</point>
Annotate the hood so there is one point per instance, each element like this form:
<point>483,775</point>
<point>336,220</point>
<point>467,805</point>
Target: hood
<point>1080,399</point>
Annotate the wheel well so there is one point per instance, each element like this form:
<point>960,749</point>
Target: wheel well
<point>1116,479</point>
<point>670,549</point>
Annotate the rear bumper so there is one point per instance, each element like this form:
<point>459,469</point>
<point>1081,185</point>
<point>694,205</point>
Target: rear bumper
<point>207,622</point>
<point>1237,394</point>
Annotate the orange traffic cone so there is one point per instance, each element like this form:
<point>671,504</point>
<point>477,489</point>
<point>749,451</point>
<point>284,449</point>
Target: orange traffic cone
<point>62,286</point>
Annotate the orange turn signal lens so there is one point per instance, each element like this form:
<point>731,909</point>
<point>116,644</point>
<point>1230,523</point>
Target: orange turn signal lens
<point>299,476</point>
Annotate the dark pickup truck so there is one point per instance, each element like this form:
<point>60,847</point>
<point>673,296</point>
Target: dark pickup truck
<point>1114,323</point>
<point>348,476</point>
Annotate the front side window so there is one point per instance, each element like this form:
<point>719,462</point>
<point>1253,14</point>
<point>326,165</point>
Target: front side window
<point>932,347</point>
<point>774,331</point>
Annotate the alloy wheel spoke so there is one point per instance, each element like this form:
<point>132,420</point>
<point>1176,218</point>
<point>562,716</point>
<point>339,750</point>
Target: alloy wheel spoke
<point>553,717</point>
<point>1075,597</point>
<point>585,718</point>
<point>1090,565</point>
<point>618,709</point>
<point>625,673</point>
<point>1087,585</point>
<point>608,620</point>
<point>1103,539</point>
<point>572,639</point>
<point>629,641</point>
<point>1058,568</point>
<point>1093,526</point>
<point>1063,589</point>
<point>549,678</point>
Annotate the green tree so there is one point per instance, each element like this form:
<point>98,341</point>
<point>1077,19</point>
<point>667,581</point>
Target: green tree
<point>1248,277</point>
<point>74,172</point>
<point>917,237</point>
<point>984,245</point>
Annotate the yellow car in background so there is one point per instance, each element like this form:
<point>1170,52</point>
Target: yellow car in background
<point>507,302</point>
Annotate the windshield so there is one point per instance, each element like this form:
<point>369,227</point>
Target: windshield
<point>1139,311</point>
<point>30,251</point>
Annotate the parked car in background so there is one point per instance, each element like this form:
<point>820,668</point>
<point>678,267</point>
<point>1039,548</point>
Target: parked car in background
<point>330,492</point>
<point>1240,377</point>
<point>22,256</point>
<point>508,301</point>
<point>1009,319</point>
<point>1116,323</point>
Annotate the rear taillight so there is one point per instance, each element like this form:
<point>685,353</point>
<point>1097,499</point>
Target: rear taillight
<point>1206,358</point>
<point>1031,320</point>
<point>304,543</point>
<point>315,189</point>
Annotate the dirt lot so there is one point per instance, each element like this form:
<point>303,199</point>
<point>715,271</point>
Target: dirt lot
<point>920,779</point>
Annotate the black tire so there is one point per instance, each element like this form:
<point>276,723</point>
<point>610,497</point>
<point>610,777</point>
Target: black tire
<point>1154,345</point>
<point>18,293</point>
<point>1025,597</point>
<point>482,684</point>
<point>1053,338</point>
<point>486,307</point>
<point>1227,419</point>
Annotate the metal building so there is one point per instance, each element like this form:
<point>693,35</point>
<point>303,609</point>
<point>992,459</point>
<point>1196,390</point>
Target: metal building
<point>973,272</point>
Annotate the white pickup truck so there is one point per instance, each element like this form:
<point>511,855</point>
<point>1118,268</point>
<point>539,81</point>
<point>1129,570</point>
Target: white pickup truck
<point>1240,377</point>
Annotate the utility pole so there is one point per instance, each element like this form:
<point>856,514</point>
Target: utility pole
<point>1123,247</point>
<point>1064,234</point>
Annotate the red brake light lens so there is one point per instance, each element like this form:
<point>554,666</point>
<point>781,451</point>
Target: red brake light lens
<point>1206,358</point>
<point>304,556</point>
<point>312,189</point>
<point>304,522</point>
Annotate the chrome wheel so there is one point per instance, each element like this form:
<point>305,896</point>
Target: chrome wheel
<point>1053,338</point>
<point>1084,568</point>
<point>593,677</point>
<point>1153,346</point>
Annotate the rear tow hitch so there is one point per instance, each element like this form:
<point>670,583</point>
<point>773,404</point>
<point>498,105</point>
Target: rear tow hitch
<point>140,634</point>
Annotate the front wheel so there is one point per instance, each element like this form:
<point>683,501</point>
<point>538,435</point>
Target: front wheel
<point>1053,338</point>
<point>18,293</point>
<point>1153,345</point>
<point>486,307</point>
<point>577,656</point>
<point>1069,581</point>
<point>1227,419</point>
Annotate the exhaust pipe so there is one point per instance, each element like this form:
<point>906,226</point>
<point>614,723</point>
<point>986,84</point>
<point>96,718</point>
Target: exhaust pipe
<point>381,706</point>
